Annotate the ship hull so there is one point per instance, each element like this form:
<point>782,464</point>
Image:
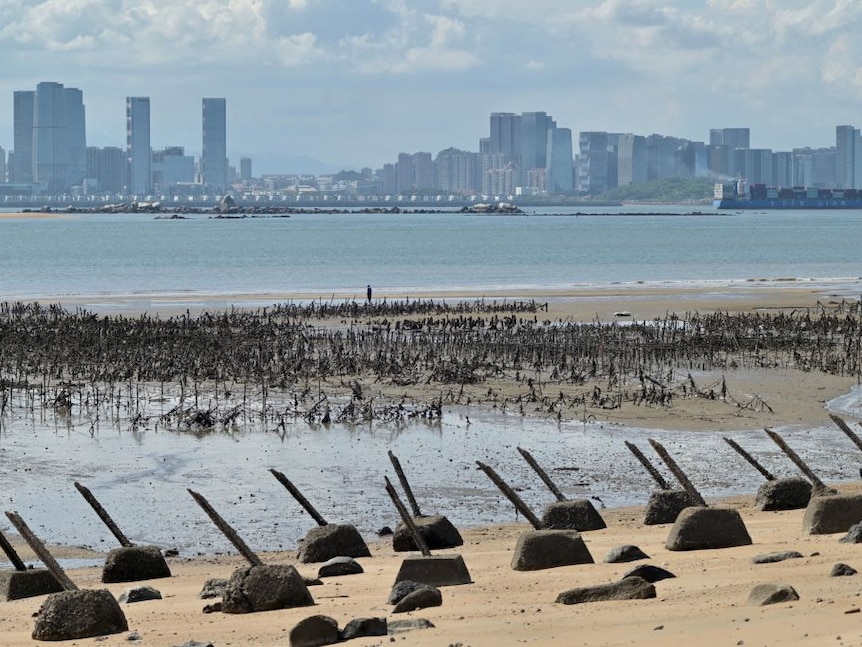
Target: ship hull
<point>788,203</point>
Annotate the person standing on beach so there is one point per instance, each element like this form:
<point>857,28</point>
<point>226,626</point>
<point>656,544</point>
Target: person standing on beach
<point>368,293</point>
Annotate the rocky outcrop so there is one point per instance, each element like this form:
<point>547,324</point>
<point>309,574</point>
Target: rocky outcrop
<point>664,506</point>
<point>265,588</point>
<point>649,573</point>
<point>771,558</point>
<point>72,615</point>
<point>338,566</point>
<point>134,564</point>
<point>764,594</point>
<point>322,543</point>
<point>314,631</point>
<point>437,531</point>
<point>422,598</point>
<point>783,494</point>
<point>630,588</point>
<point>623,554</point>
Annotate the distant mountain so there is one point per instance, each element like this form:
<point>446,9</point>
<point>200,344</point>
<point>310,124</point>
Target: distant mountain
<point>270,163</point>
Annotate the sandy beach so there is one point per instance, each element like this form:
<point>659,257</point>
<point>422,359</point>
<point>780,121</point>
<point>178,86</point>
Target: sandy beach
<point>704,604</point>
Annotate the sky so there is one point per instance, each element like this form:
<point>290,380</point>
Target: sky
<point>351,83</point>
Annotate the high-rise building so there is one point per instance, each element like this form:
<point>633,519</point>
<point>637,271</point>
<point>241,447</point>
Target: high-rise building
<point>59,137</point>
<point>404,173</point>
<point>592,162</point>
<point>245,169</point>
<point>534,140</point>
<point>559,176</point>
<point>2,164</point>
<point>727,141</point>
<point>76,136</point>
<point>457,171</point>
<point>505,134</point>
<point>423,171</point>
<point>21,158</point>
<point>172,167</point>
<point>389,179</point>
<point>730,137</point>
<point>848,155</point>
<point>782,168</point>
<point>107,166</point>
<point>631,159</point>
<point>139,153</point>
<point>214,150</point>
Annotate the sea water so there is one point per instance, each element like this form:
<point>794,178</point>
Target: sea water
<point>130,258</point>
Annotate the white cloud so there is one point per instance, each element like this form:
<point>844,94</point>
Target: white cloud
<point>672,66</point>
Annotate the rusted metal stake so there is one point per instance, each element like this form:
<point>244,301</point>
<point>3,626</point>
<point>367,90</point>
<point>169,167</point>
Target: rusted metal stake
<point>408,491</point>
<point>41,552</point>
<point>656,475</point>
<point>310,509</point>
<point>542,474</point>
<point>103,515</point>
<point>751,459</point>
<point>407,519</point>
<point>792,455</point>
<point>843,426</point>
<point>227,530</point>
<point>11,554</point>
<point>677,471</point>
<point>511,495</point>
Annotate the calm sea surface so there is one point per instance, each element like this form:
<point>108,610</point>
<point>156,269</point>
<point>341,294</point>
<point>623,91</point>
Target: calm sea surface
<point>136,256</point>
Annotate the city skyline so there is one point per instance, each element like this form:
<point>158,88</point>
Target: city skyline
<point>352,82</point>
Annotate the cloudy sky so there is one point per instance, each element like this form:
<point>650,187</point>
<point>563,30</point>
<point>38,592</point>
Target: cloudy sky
<point>353,82</point>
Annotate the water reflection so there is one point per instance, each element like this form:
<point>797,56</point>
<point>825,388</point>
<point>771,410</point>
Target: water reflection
<point>140,474</point>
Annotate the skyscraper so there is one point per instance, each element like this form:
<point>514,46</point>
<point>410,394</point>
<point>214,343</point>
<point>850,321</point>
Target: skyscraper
<point>21,158</point>
<point>848,149</point>
<point>534,140</point>
<point>2,164</point>
<point>108,167</point>
<point>76,136</point>
<point>245,169</point>
<point>505,134</point>
<point>560,175</point>
<point>730,137</point>
<point>138,149</point>
<point>55,125</point>
<point>214,150</point>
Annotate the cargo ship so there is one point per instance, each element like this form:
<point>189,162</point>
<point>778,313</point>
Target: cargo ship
<point>734,195</point>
